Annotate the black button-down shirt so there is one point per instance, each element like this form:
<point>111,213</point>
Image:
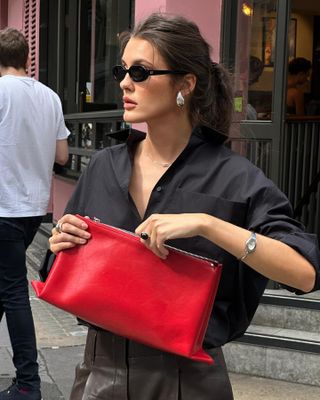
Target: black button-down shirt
<point>209,178</point>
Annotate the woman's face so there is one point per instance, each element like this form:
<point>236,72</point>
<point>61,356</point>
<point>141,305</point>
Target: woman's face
<point>150,100</point>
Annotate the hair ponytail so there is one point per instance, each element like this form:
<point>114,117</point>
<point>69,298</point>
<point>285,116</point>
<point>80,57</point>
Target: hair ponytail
<point>217,110</point>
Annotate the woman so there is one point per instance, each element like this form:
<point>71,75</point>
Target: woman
<point>179,183</point>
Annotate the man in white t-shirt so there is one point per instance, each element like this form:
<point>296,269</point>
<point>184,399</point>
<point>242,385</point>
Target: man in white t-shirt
<point>33,136</point>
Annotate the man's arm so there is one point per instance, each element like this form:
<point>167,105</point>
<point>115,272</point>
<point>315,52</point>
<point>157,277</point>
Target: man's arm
<point>62,152</point>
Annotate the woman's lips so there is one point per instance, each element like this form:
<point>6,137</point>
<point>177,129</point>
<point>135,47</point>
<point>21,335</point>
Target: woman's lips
<point>128,104</point>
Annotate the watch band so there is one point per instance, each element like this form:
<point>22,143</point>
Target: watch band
<point>250,246</point>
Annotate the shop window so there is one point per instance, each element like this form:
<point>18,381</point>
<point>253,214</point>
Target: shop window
<point>255,59</point>
<point>300,153</point>
<point>303,84</point>
<point>249,50</point>
<point>101,23</point>
<point>79,66</point>
<point>79,46</point>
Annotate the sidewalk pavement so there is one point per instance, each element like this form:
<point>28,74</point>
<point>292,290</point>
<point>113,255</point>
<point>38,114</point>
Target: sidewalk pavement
<point>61,345</point>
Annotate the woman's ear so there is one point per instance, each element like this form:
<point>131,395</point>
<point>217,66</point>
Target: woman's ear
<point>188,84</point>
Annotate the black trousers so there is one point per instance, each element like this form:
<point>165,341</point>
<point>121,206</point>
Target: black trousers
<point>16,234</point>
<point>119,369</point>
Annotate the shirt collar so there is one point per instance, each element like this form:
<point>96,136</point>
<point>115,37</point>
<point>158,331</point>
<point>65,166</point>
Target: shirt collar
<point>205,133</point>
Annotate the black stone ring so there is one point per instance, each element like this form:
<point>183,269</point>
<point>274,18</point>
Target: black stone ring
<point>144,236</point>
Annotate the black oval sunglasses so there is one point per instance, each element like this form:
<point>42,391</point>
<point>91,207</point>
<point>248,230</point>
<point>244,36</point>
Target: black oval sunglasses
<point>139,73</point>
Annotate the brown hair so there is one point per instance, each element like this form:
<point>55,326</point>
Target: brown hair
<point>14,48</point>
<point>255,69</point>
<point>299,64</point>
<point>182,46</point>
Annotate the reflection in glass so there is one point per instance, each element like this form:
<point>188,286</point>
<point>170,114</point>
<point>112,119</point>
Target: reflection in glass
<point>254,61</point>
<point>105,19</point>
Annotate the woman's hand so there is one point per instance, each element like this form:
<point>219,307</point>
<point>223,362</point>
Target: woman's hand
<point>272,258</point>
<point>162,227</point>
<point>72,232</point>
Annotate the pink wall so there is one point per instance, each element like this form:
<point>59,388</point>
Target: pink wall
<point>62,190</point>
<point>15,13</point>
<point>11,13</point>
<point>143,8</point>
<point>206,13</point>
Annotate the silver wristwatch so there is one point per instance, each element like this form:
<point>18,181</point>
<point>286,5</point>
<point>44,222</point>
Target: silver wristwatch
<point>250,246</point>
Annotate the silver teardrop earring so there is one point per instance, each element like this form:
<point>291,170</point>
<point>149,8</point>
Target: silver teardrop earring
<point>180,100</point>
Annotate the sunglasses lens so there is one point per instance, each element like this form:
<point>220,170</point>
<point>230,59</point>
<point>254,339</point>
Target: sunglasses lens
<point>119,73</point>
<point>138,73</point>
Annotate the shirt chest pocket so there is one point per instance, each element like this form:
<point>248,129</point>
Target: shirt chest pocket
<point>193,202</point>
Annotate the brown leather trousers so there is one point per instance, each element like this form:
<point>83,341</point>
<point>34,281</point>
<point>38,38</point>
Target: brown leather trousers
<point>118,369</point>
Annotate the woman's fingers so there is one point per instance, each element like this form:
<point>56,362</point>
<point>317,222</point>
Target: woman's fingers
<point>69,232</point>
<point>156,244</point>
<point>56,248</point>
<point>71,224</point>
<point>162,227</point>
<point>65,241</point>
<point>75,230</point>
<point>67,237</point>
<point>151,236</point>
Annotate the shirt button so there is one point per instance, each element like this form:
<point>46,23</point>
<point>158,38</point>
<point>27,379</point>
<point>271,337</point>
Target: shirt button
<point>159,189</point>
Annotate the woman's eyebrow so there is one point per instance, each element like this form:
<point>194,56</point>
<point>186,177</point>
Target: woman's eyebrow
<point>138,61</point>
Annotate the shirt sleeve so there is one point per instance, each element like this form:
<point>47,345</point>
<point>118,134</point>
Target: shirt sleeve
<point>2,102</point>
<point>62,131</point>
<point>271,214</point>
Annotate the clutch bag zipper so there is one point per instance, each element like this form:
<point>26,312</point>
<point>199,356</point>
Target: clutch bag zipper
<point>213,263</point>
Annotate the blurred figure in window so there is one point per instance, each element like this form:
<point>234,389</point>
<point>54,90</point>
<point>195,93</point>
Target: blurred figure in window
<point>255,71</point>
<point>298,76</point>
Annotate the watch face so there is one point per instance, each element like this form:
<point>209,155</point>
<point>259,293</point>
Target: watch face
<point>251,245</point>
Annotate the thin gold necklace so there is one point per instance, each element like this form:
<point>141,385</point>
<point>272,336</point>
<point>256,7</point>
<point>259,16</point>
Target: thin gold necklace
<point>161,164</point>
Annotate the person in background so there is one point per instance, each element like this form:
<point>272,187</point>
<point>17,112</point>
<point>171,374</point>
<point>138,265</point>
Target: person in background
<point>179,184</point>
<point>298,76</point>
<point>255,70</point>
<point>33,136</point>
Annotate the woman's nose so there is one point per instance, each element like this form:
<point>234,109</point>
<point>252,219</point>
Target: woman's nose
<point>126,82</point>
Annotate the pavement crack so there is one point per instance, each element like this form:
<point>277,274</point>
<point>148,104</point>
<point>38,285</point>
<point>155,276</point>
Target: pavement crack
<point>44,370</point>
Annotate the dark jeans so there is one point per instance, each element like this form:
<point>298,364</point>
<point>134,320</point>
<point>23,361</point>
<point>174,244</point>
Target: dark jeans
<point>16,234</point>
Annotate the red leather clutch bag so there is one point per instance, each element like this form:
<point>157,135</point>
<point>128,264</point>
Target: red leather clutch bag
<point>116,283</point>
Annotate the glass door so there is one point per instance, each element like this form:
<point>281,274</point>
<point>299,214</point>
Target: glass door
<point>256,52</point>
